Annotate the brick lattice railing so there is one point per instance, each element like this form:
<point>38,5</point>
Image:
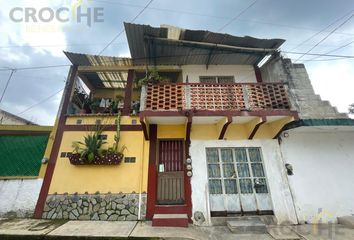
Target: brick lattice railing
<point>164,97</point>
<point>267,96</point>
<point>215,97</point>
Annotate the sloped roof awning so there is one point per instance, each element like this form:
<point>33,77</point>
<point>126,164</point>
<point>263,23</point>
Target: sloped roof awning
<point>174,46</point>
<point>113,79</point>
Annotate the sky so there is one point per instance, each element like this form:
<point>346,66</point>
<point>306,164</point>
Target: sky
<point>322,26</point>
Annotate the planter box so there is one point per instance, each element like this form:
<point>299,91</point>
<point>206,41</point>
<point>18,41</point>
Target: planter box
<point>108,159</point>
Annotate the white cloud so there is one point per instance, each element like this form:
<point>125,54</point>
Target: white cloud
<point>333,80</point>
<point>32,34</point>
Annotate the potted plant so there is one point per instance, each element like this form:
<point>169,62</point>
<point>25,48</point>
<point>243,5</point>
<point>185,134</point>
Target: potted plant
<point>90,151</point>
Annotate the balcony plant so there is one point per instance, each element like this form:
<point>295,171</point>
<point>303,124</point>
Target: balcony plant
<point>90,151</point>
<point>152,76</point>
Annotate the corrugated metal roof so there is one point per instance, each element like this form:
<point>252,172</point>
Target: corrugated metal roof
<point>80,59</point>
<point>145,43</point>
<point>116,79</point>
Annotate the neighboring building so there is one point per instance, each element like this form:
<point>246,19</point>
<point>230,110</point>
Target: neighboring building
<point>7,118</point>
<point>220,137</point>
<point>22,148</point>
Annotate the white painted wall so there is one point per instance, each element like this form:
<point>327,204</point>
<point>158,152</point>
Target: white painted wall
<point>19,196</point>
<point>242,73</point>
<point>323,165</point>
<point>6,119</point>
<point>283,206</point>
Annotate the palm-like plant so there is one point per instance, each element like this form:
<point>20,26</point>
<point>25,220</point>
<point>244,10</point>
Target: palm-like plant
<point>91,146</point>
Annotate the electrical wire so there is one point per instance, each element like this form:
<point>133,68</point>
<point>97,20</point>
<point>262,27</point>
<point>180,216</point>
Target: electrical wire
<point>169,56</point>
<point>37,67</point>
<point>237,16</point>
<point>214,16</point>
<point>6,85</point>
<point>323,39</point>
<point>40,102</point>
<point>59,45</point>
<point>123,30</point>
<point>322,30</point>
<point>334,50</point>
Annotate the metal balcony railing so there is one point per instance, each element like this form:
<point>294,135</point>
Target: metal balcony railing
<point>215,97</point>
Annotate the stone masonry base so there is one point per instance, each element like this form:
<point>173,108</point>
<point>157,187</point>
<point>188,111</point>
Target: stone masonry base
<point>105,207</point>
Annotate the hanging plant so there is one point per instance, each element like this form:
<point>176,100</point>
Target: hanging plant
<point>90,150</point>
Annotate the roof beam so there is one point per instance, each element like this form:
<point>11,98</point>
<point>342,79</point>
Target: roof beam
<point>138,68</point>
<point>254,125</point>
<point>222,126</point>
<point>210,55</point>
<point>128,93</point>
<point>86,81</point>
<point>214,45</point>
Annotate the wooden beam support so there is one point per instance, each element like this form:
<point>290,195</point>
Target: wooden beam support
<point>145,127</point>
<point>222,126</point>
<point>138,68</point>
<point>128,94</point>
<point>254,125</point>
<point>258,73</point>
<point>188,128</point>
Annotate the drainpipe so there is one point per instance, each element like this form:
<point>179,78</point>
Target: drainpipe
<point>141,179</point>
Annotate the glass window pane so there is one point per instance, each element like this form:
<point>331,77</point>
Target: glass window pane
<point>240,154</point>
<point>215,186</point>
<point>230,186</point>
<point>229,170</point>
<point>255,155</point>
<point>260,185</point>
<point>243,170</point>
<point>212,155</point>
<point>226,155</point>
<point>246,186</point>
<point>214,170</point>
<point>257,170</point>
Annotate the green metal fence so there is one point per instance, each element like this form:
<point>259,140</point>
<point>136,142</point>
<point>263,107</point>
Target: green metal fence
<point>21,155</point>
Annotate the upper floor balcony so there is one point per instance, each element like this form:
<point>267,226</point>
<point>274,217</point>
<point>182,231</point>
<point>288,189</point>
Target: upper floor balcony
<point>215,97</point>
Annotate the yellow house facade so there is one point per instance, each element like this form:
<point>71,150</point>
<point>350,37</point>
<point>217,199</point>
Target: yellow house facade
<point>195,122</point>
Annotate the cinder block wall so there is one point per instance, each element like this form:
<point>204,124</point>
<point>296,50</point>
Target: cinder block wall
<point>301,93</point>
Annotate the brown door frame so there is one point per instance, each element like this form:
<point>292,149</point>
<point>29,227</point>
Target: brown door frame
<point>183,141</point>
<point>151,207</point>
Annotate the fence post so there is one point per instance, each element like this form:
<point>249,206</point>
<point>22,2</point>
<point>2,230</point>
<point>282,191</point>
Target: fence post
<point>187,96</point>
<point>246,96</point>
<point>143,98</point>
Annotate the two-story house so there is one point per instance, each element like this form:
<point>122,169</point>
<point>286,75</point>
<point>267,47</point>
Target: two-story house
<point>210,126</point>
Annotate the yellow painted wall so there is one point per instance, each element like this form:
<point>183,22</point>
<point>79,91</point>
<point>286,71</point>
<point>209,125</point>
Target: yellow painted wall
<point>126,177</point>
<point>113,93</point>
<point>269,130</point>
<point>236,132</point>
<point>171,131</point>
<point>91,120</point>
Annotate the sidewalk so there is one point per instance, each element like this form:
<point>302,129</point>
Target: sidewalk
<point>47,229</point>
